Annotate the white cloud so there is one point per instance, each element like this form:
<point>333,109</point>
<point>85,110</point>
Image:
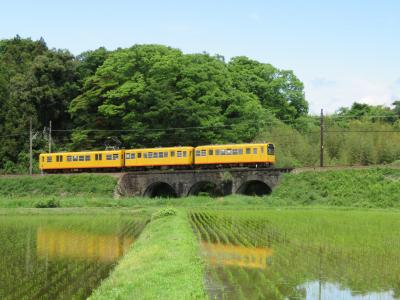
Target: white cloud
<point>344,92</point>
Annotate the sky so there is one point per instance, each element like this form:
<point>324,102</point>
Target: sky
<point>343,51</point>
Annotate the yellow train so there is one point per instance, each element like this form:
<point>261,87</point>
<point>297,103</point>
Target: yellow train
<point>210,156</point>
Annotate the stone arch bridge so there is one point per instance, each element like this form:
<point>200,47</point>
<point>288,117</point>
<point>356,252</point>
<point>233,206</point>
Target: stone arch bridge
<point>181,183</point>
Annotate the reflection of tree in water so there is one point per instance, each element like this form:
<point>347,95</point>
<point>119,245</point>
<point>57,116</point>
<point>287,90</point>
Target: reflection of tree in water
<point>362,270</point>
<point>61,257</point>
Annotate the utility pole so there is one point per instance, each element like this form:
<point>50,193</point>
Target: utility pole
<point>50,137</point>
<point>30,146</point>
<point>321,157</point>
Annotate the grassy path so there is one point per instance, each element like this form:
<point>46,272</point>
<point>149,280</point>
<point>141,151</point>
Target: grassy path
<point>163,264</point>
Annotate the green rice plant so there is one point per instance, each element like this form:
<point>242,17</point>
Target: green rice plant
<point>360,250</point>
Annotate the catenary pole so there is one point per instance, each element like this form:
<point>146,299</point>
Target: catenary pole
<point>321,157</point>
<point>30,146</point>
<point>50,137</point>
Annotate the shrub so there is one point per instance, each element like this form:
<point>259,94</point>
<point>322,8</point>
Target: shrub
<point>50,203</point>
<point>165,212</point>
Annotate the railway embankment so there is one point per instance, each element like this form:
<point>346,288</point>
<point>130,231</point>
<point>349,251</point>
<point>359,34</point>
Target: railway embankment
<point>374,187</point>
<point>364,187</point>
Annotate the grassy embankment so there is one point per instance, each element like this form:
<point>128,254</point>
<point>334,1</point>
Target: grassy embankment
<point>163,264</point>
<point>366,188</point>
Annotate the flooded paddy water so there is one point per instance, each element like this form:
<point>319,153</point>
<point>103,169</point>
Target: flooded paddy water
<point>300,254</point>
<point>61,256</point>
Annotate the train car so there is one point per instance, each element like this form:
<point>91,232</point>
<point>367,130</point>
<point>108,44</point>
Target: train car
<point>262,154</point>
<point>77,161</point>
<point>159,157</point>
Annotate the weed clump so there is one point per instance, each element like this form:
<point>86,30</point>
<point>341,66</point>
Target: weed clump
<point>165,212</point>
<point>51,203</point>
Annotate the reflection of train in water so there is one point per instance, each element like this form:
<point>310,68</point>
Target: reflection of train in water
<point>237,155</point>
<point>80,245</point>
<point>233,255</point>
<point>61,244</point>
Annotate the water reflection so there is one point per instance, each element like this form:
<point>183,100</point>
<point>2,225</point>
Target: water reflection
<point>326,290</point>
<point>232,255</point>
<point>69,244</point>
<point>61,257</point>
<point>249,260</point>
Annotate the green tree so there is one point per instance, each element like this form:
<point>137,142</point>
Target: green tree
<point>151,90</point>
<point>35,83</point>
<point>279,91</point>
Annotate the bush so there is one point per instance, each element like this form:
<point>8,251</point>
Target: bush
<point>165,212</point>
<point>51,203</point>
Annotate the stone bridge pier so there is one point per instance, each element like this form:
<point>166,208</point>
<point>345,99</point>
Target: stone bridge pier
<point>181,183</point>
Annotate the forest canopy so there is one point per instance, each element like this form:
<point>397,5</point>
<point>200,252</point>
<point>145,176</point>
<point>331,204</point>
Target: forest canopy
<point>148,95</point>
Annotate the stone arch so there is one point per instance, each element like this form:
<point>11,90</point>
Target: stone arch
<point>206,187</point>
<point>160,189</point>
<point>254,188</point>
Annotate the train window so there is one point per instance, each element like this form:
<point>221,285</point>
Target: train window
<point>235,151</point>
<point>172,153</point>
<point>49,159</point>
<point>254,150</point>
<point>87,158</point>
<point>115,157</point>
<point>132,155</point>
<point>108,157</point>
<point>210,152</point>
<point>229,152</point>
<point>145,155</point>
<point>139,155</point>
<point>166,154</point>
<point>161,154</point>
<point>57,158</point>
<point>217,152</point>
<point>155,154</point>
<point>271,149</point>
<point>198,153</point>
<point>248,150</point>
<point>203,152</point>
<point>69,158</point>
<point>150,155</point>
<point>61,158</point>
<point>240,151</point>
<point>75,158</point>
<point>81,158</point>
<point>184,153</point>
<point>179,153</point>
<point>127,156</point>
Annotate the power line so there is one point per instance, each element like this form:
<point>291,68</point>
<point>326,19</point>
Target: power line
<point>362,131</point>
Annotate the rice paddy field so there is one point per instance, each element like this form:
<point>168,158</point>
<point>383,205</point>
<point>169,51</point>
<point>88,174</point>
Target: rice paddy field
<point>299,254</point>
<point>319,235</point>
<point>47,256</point>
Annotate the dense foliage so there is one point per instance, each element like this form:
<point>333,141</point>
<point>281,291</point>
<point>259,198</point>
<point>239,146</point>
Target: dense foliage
<point>153,95</point>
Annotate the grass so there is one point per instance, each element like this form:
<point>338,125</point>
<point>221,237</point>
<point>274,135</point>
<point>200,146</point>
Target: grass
<point>163,264</point>
<point>57,186</point>
<point>368,188</point>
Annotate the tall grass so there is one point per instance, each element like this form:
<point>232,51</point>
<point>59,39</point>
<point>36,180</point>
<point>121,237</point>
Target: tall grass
<point>57,185</point>
<point>369,188</point>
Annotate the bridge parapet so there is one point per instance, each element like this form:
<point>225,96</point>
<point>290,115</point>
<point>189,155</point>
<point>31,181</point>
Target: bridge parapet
<point>181,183</point>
